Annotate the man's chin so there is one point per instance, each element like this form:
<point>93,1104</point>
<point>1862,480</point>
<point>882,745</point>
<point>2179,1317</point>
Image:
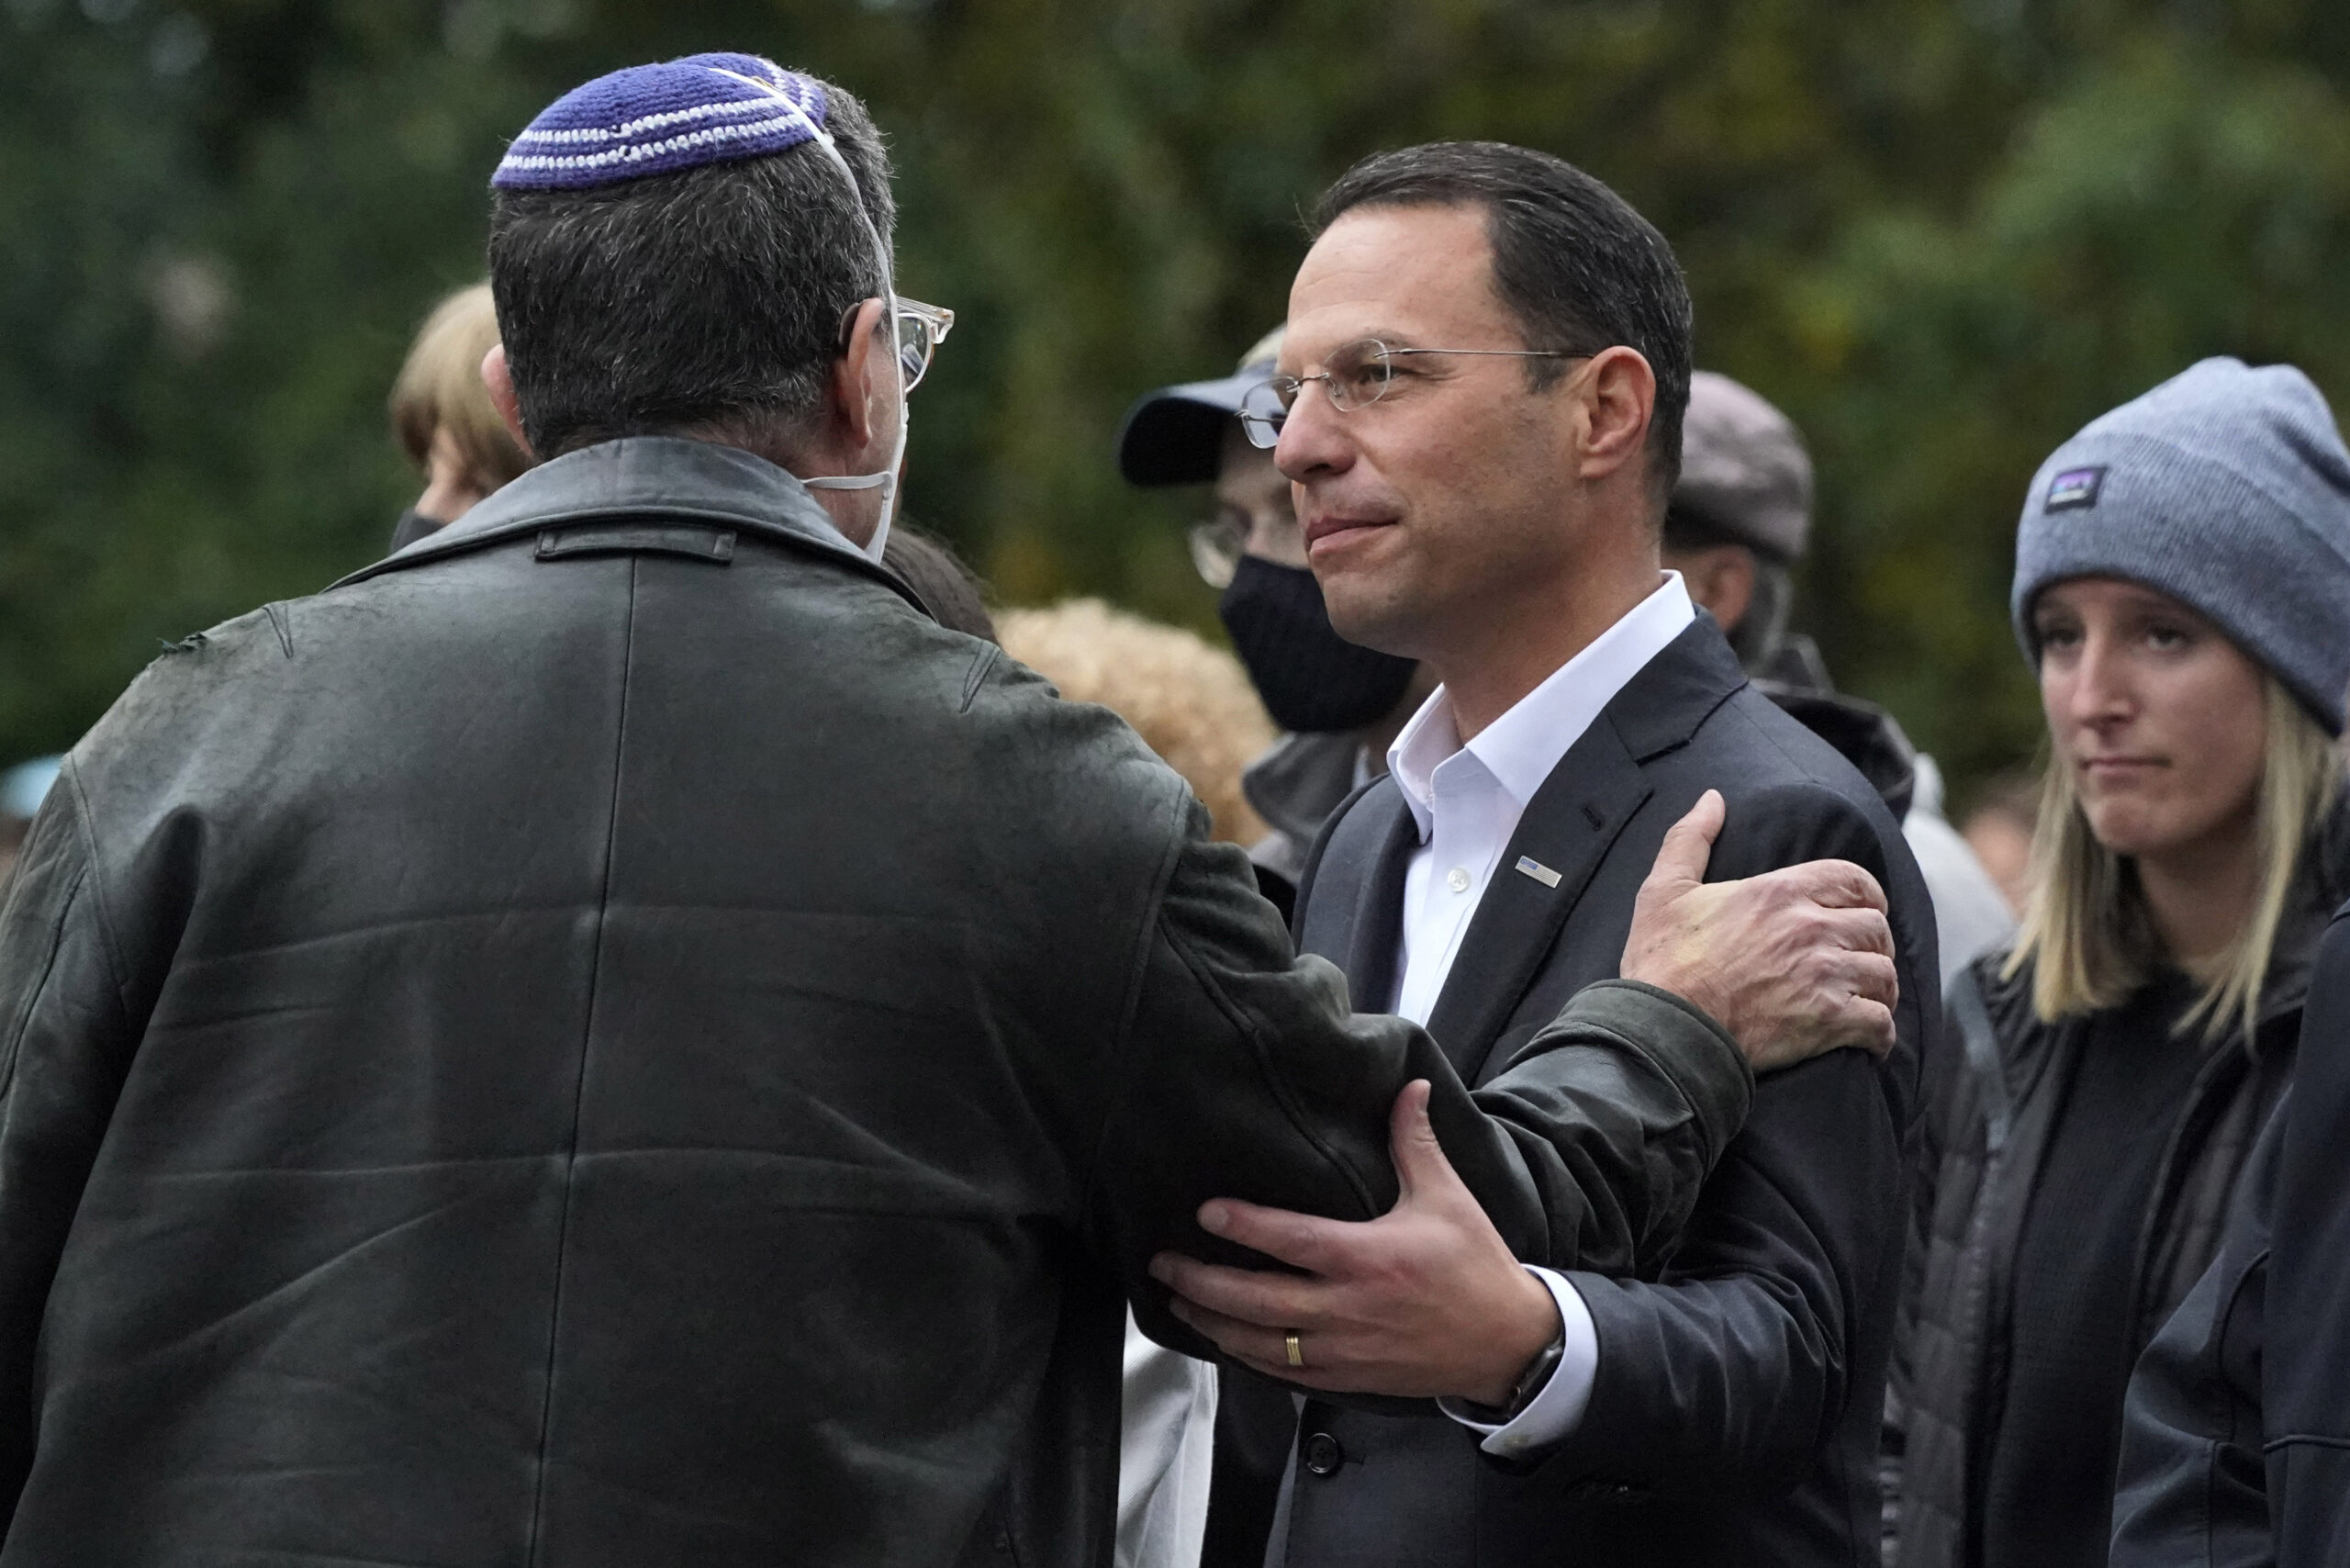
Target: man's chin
<point>1381,624</point>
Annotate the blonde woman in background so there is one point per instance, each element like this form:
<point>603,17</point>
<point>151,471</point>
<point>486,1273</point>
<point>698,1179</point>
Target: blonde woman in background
<point>444,419</point>
<point>2183,589</point>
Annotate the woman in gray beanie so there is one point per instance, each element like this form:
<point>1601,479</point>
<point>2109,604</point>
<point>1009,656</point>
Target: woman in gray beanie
<point>2182,589</point>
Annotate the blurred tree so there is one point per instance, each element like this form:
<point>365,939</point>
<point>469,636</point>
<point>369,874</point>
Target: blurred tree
<point>1941,234</point>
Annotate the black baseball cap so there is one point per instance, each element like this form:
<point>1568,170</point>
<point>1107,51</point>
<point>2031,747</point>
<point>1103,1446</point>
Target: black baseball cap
<point>1175,435</point>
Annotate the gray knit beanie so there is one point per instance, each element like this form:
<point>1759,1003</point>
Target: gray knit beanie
<point>2226,487</point>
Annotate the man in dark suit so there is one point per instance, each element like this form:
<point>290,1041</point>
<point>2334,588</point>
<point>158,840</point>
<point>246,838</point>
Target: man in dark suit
<point>1486,364</point>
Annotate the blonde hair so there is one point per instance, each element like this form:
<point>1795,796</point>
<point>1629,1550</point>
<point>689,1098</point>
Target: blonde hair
<point>1190,703</point>
<point>440,388</point>
<point>2087,929</point>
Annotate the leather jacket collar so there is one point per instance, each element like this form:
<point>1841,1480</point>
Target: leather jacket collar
<point>645,478</point>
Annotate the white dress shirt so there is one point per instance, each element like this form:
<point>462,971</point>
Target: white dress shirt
<point>1166,1440</point>
<point>1466,801</point>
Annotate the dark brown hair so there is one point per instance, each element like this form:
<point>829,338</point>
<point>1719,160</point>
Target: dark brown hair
<point>713,293</point>
<point>929,565</point>
<point>1578,267</point>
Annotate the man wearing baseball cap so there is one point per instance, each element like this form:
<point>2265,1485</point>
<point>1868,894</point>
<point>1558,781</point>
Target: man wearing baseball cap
<point>1338,704</point>
<point>1736,527</point>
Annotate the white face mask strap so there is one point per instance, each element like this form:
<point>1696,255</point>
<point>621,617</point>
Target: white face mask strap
<point>887,480</point>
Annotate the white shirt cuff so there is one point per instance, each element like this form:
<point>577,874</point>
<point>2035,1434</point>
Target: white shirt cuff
<point>1554,1412</point>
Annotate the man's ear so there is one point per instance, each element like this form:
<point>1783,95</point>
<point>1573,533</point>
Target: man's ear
<point>1616,400</point>
<point>500,384</point>
<point>858,396</point>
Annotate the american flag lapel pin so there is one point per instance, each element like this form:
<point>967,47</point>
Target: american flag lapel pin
<point>1532,867</point>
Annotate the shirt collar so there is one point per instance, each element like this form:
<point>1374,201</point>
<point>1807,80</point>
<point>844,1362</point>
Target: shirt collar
<point>1522,747</point>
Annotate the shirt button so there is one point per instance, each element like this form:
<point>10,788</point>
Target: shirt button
<point>1457,879</point>
<point>1323,1454</point>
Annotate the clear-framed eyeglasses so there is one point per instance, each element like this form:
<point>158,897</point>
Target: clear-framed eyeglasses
<point>1355,376</point>
<point>1217,545</point>
<point>920,329</point>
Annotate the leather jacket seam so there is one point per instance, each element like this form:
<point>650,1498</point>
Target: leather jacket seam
<point>1148,930</point>
<point>70,775</point>
<point>32,995</point>
<point>579,1083</point>
<point>976,676</point>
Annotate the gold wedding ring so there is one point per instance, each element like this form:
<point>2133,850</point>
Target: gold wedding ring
<point>1296,1350</point>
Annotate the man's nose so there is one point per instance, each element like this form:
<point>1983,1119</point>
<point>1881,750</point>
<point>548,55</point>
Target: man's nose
<point>1313,440</point>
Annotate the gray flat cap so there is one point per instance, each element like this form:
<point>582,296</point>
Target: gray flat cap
<point>1743,468</point>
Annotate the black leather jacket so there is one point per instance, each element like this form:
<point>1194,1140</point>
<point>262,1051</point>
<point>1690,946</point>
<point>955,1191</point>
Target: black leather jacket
<point>612,1038</point>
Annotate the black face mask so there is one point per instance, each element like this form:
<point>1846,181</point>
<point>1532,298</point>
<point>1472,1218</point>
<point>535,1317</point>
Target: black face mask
<point>1311,680</point>
<point>413,525</point>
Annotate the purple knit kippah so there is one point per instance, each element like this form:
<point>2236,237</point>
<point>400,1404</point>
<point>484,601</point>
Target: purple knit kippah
<point>658,119</point>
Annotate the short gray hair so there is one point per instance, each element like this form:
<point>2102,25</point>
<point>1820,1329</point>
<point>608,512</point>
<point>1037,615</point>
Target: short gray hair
<point>715,294</point>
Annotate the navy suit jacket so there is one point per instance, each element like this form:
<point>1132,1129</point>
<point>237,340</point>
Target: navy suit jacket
<point>1734,1415</point>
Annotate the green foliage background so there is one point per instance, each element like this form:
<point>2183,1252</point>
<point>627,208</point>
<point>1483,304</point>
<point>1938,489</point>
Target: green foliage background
<point>1942,235</point>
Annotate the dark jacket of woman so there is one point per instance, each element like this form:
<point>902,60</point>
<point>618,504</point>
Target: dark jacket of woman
<point>1992,1109</point>
<point>2236,1449</point>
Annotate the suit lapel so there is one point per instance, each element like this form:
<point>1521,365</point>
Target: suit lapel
<point>1567,829</point>
<point>1377,928</point>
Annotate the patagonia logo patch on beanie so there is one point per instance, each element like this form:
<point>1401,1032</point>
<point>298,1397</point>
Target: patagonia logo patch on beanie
<point>2227,489</point>
<point>2073,488</point>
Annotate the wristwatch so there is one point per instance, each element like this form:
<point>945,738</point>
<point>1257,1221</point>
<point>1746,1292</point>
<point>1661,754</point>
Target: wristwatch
<point>1530,1382</point>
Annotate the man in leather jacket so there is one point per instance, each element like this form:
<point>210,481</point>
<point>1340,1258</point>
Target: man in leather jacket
<point>573,1047</point>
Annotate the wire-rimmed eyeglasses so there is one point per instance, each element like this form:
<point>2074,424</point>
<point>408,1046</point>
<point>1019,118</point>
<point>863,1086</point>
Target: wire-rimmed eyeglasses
<point>1353,376</point>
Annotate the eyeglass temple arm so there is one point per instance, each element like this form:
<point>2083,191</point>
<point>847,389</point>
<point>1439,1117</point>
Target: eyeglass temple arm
<point>940,318</point>
<point>1513,354</point>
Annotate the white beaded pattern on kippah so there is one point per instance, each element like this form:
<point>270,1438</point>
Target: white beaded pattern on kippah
<point>617,122</point>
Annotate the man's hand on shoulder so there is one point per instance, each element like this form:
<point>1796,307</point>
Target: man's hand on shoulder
<point>1427,1301</point>
<point>1792,963</point>
<point>1422,1302</point>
